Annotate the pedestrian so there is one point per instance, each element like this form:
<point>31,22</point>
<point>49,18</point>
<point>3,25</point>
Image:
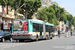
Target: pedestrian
<point>58,33</point>
<point>71,31</point>
<point>67,31</point>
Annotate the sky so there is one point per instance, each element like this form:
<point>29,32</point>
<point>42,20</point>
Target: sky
<point>69,5</point>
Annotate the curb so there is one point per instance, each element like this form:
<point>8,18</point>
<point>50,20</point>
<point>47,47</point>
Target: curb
<point>69,36</point>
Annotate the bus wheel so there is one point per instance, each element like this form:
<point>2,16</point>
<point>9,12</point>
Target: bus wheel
<point>46,38</point>
<point>50,37</point>
<point>36,38</point>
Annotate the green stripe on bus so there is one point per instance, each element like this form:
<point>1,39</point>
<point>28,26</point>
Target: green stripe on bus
<point>36,22</point>
<point>50,24</point>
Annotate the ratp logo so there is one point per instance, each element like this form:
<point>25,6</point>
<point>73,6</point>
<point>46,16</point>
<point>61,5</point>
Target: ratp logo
<point>15,23</point>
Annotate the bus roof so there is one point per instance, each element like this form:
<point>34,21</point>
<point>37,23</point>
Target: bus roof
<point>36,21</point>
<point>49,24</point>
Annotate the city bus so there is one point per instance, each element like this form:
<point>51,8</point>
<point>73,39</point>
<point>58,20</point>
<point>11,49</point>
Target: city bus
<point>31,29</point>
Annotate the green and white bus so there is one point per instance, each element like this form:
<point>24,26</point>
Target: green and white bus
<point>31,29</point>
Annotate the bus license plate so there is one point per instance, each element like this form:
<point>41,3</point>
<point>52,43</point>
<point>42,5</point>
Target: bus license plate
<point>21,35</point>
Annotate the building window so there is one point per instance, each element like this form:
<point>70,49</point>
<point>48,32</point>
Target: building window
<point>42,1</point>
<point>62,25</point>
<point>2,19</point>
<point>41,27</point>
<point>5,20</point>
<point>49,0</point>
<point>11,21</point>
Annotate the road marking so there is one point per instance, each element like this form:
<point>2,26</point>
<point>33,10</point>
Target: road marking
<point>9,45</point>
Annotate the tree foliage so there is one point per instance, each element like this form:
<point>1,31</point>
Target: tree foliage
<point>29,6</point>
<point>4,2</point>
<point>47,14</point>
<point>42,15</point>
<point>54,13</point>
<point>71,20</point>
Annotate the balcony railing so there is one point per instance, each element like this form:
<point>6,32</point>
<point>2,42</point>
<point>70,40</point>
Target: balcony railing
<point>9,16</point>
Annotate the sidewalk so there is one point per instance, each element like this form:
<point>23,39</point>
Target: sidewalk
<point>64,35</point>
<point>56,37</point>
<point>69,36</point>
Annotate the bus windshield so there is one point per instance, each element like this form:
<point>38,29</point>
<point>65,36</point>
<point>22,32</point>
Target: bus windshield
<point>20,25</point>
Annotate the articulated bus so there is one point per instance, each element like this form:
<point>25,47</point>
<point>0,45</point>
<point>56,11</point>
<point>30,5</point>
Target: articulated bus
<point>31,29</point>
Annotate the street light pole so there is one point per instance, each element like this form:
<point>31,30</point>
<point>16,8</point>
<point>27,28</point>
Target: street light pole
<point>19,8</point>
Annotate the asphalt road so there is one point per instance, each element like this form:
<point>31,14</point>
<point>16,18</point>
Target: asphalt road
<point>62,43</point>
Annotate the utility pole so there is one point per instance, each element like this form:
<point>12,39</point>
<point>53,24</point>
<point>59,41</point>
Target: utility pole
<point>19,8</point>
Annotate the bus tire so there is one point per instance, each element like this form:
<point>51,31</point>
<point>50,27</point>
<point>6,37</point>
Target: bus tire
<point>37,38</point>
<point>51,38</point>
<point>46,38</point>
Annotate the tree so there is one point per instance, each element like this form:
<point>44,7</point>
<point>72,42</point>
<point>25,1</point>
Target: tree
<point>47,14</point>
<point>58,12</point>
<point>15,4</point>
<point>63,18</point>
<point>31,6</point>
<point>73,21</point>
<point>70,18</point>
<point>51,16</point>
<point>42,15</point>
<point>4,3</point>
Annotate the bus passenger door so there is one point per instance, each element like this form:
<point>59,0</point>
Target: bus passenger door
<point>49,30</point>
<point>41,30</point>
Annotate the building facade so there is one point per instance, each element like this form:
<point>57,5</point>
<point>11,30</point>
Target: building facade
<point>55,3</point>
<point>66,12</point>
<point>10,16</point>
<point>61,26</point>
<point>47,2</point>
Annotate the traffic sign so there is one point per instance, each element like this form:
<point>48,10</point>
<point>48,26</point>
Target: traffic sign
<point>67,23</point>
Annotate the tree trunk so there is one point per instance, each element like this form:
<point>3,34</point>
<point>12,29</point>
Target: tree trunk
<point>25,15</point>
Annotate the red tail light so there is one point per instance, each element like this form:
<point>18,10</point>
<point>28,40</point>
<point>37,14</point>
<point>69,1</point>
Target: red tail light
<point>14,35</point>
<point>27,35</point>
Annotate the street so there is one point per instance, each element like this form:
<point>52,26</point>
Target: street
<point>37,25</point>
<point>62,43</point>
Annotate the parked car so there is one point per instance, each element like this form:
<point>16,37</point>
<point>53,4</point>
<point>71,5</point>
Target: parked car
<point>5,36</point>
<point>55,33</point>
<point>62,32</point>
<point>1,30</point>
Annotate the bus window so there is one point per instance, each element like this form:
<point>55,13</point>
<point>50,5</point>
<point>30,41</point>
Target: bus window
<point>35,27</point>
<point>46,28</point>
<point>41,27</point>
